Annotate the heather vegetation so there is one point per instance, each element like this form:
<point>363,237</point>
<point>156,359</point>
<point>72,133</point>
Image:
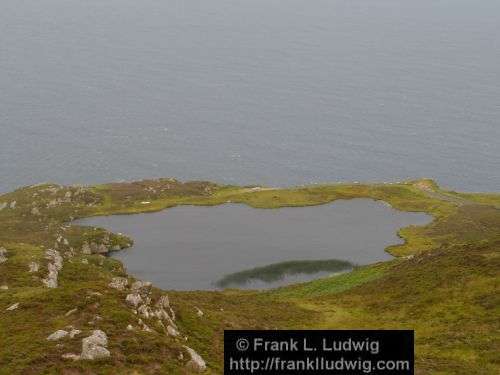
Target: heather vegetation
<point>443,282</point>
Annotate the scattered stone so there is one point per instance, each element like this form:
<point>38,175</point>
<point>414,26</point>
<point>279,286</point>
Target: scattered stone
<point>196,363</point>
<point>35,211</point>
<point>74,332</point>
<point>72,311</point>
<point>198,312</point>
<point>33,267</point>
<point>94,346</point>
<point>3,205</point>
<point>72,356</point>
<point>12,307</point>
<point>3,255</point>
<point>57,335</point>
<point>4,287</point>
<point>85,261</point>
<point>130,328</point>
<point>12,205</point>
<point>119,283</point>
<point>133,299</point>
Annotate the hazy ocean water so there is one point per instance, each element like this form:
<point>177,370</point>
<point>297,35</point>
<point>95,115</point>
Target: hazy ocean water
<point>250,91</point>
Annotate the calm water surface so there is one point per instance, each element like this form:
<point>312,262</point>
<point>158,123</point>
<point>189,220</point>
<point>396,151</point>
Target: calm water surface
<point>268,92</point>
<point>190,247</point>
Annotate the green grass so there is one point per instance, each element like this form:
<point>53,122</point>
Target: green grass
<point>444,283</point>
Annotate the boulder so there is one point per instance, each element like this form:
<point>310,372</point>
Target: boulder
<point>196,363</point>
<point>57,335</point>
<point>119,283</point>
<point>35,211</point>
<point>4,287</point>
<point>13,204</point>
<point>94,346</point>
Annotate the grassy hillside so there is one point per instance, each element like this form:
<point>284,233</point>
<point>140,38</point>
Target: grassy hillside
<point>444,282</point>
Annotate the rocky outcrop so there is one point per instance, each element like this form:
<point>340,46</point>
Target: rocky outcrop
<point>119,283</point>
<point>133,299</point>
<point>196,363</point>
<point>139,285</point>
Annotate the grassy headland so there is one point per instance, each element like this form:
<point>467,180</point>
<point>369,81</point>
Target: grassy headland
<point>444,281</point>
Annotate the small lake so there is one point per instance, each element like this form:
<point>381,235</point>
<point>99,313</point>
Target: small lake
<point>232,245</point>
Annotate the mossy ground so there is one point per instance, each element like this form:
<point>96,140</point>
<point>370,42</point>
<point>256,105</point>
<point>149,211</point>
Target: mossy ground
<point>444,282</point>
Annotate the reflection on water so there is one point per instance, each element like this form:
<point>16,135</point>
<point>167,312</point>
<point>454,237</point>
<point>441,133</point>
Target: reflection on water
<point>284,273</point>
<point>189,248</point>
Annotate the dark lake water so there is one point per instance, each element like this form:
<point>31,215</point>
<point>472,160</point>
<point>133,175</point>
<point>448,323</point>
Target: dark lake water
<point>190,247</point>
<point>265,92</point>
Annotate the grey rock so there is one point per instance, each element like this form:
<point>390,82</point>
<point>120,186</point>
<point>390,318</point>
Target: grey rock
<point>94,346</point>
<point>86,248</point>
<point>138,285</point>
<point>72,356</point>
<point>198,312</point>
<point>34,267</point>
<point>119,283</point>
<point>172,331</point>
<point>133,299</point>
<point>12,307</point>
<point>74,332</point>
<point>196,363</point>
<point>3,255</point>
<point>57,335</point>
